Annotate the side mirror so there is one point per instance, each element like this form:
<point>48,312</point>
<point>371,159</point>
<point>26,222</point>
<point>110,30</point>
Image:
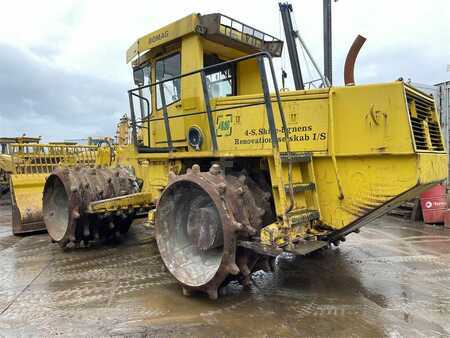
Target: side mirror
<point>138,76</point>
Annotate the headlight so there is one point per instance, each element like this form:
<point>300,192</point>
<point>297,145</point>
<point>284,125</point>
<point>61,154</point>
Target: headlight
<point>195,137</point>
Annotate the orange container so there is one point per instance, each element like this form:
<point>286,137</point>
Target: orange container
<point>434,204</point>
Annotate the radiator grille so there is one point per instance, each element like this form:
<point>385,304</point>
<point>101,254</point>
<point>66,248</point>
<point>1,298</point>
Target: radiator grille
<point>424,121</point>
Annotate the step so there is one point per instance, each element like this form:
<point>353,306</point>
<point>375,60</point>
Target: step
<point>301,187</point>
<point>301,216</point>
<point>305,247</point>
<point>303,157</point>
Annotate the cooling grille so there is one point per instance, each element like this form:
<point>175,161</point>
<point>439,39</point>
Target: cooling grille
<point>424,121</point>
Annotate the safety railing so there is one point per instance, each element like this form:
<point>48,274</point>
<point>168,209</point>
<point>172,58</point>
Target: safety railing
<point>44,158</point>
<point>267,101</point>
<point>244,33</point>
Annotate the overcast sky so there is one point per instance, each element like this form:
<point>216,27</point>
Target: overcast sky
<point>62,63</point>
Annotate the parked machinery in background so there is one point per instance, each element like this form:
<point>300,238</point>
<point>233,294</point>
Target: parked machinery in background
<point>32,163</point>
<point>6,162</point>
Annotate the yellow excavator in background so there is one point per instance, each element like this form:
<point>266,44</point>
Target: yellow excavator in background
<point>236,172</point>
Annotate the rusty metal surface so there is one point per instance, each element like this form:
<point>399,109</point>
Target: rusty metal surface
<point>349,67</point>
<point>199,218</point>
<point>391,280</point>
<point>67,196</point>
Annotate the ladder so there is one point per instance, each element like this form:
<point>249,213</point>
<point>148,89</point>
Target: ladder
<point>305,206</point>
<point>292,174</point>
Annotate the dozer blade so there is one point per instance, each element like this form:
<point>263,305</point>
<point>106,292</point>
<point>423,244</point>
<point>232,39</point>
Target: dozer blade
<point>26,201</point>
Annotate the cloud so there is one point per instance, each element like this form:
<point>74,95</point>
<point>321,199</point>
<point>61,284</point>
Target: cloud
<point>62,63</point>
<point>39,98</point>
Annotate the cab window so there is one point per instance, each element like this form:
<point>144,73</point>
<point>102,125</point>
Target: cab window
<point>166,68</point>
<point>142,77</point>
<point>221,81</point>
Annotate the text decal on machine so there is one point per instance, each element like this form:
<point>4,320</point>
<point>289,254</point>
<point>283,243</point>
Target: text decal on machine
<point>296,134</point>
<point>233,131</point>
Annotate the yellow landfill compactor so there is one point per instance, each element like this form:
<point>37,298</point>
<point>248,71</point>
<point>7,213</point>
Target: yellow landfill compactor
<point>32,163</point>
<point>237,172</point>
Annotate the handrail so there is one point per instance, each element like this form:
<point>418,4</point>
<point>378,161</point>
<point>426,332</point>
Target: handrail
<point>260,57</point>
<point>148,112</point>
<point>203,70</point>
<point>332,145</point>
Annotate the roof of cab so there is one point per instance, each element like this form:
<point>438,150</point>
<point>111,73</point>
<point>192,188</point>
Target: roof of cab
<point>216,27</point>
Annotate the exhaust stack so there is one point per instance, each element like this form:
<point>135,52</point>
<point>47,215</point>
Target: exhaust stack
<point>349,68</point>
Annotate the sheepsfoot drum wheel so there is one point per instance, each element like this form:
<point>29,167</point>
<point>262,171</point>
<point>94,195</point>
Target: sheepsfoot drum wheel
<point>199,218</point>
<point>67,194</point>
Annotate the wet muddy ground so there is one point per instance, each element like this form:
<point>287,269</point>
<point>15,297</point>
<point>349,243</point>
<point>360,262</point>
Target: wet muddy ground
<point>392,279</point>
